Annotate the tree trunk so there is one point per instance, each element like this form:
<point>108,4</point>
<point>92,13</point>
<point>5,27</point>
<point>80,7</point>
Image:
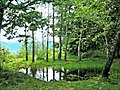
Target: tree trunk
<point>66,36</point>
<point>33,47</point>
<point>106,69</point>
<point>79,52</point>
<point>42,40</point>
<point>107,47</point>
<point>53,29</point>
<point>1,19</point>
<point>60,48</point>
<point>79,44</point>
<point>47,37</point>
<point>26,44</point>
<point>60,40</point>
<point>42,31</point>
<point>79,47</point>
<point>65,52</point>
<point>66,44</point>
<point>47,48</point>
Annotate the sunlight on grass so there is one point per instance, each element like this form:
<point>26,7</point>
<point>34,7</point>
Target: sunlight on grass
<point>29,83</point>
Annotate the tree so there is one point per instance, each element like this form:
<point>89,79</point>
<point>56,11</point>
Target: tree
<point>60,39</point>
<point>12,13</point>
<point>108,64</point>
<point>67,21</point>
<point>33,47</point>
<point>59,25</point>
<point>105,17</point>
<point>25,41</point>
<point>81,15</point>
<point>53,29</point>
<point>26,44</point>
<point>47,35</point>
<point>114,14</point>
<point>34,25</point>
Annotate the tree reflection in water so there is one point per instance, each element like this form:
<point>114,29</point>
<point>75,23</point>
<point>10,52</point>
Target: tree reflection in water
<point>50,74</point>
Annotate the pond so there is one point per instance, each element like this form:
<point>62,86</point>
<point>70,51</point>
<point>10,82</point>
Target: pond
<point>50,74</point>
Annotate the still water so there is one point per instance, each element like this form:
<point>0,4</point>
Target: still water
<point>50,74</point>
<point>46,74</point>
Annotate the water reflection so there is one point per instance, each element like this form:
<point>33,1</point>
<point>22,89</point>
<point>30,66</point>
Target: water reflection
<point>33,71</point>
<point>50,74</point>
<point>82,74</point>
<point>46,74</point>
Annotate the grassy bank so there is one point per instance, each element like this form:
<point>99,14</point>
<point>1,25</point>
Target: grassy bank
<point>70,64</point>
<point>18,81</point>
<point>10,79</point>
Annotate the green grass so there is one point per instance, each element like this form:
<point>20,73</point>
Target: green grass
<point>70,64</point>
<point>24,82</point>
<point>12,80</point>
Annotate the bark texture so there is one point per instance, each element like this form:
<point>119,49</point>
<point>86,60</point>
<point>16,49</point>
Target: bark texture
<point>60,48</point>
<point>33,47</point>
<point>106,69</point>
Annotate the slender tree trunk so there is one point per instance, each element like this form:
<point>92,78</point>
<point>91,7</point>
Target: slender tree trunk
<point>47,47</point>
<point>26,44</point>
<point>79,44</point>
<point>107,47</point>
<point>106,69</point>
<point>60,48</point>
<point>33,47</point>
<point>53,28</point>
<point>66,44</point>
<point>42,40</point>
<point>47,37</point>
<point>79,47</point>
<point>60,40</point>
<point>1,19</point>
<point>42,31</point>
<point>66,37</point>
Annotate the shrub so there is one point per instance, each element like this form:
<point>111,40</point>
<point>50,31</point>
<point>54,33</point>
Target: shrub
<point>40,54</point>
<point>87,54</point>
